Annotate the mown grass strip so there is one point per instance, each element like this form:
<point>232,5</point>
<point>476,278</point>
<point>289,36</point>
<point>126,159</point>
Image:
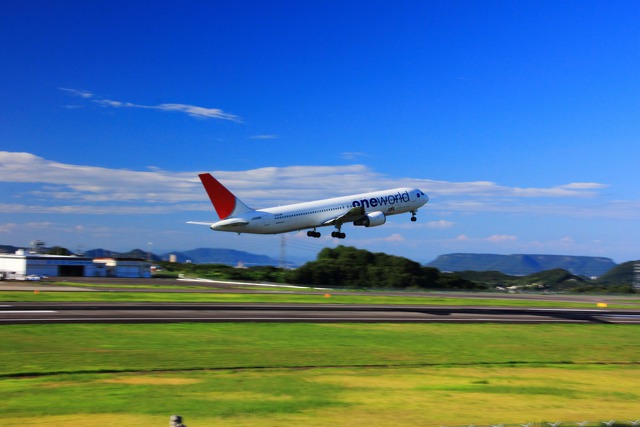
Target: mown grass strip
<point>286,297</point>
<point>41,349</point>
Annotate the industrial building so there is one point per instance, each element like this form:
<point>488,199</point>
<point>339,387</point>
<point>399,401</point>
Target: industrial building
<point>22,265</point>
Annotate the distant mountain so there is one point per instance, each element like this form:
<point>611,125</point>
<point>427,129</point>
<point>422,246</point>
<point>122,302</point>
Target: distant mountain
<point>135,254</point>
<point>8,249</point>
<point>522,265</point>
<point>196,256</point>
<point>514,265</point>
<point>221,256</point>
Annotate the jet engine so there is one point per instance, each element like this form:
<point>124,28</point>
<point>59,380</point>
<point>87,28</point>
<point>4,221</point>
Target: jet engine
<point>372,219</point>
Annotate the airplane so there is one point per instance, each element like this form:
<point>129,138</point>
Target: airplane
<point>366,210</point>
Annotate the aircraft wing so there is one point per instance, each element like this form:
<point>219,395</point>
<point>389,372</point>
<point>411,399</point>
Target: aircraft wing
<point>354,214</point>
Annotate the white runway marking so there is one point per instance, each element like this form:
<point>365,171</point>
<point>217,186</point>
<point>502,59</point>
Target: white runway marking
<point>26,311</point>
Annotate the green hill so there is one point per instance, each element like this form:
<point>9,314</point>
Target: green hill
<point>621,274</point>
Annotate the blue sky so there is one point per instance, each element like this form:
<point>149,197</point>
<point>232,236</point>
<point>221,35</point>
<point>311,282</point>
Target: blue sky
<point>521,120</point>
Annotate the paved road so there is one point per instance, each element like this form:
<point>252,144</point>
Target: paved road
<point>15,313</point>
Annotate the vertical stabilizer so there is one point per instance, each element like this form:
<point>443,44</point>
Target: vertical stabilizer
<point>224,201</point>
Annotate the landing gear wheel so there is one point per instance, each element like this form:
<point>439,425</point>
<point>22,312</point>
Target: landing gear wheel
<point>338,235</point>
<point>414,219</point>
<point>313,233</point>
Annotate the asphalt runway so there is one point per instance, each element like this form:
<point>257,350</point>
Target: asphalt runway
<point>70,312</point>
<point>33,313</point>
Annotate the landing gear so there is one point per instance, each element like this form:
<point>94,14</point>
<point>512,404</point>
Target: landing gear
<point>413,216</point>
<point>313,233</point>
<point>338,234</point>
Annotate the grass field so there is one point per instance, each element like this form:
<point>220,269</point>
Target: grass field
<point>332,297</point>
<point>276,374</point>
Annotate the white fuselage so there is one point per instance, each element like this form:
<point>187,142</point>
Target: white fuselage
<point>321,213</point>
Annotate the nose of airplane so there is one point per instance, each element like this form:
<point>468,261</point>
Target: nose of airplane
<point>422,197</point>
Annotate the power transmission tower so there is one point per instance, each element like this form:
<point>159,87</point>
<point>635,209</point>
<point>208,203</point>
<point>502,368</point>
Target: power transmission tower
<point>283,244</point>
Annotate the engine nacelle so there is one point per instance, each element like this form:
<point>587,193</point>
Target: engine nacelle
<point>372,219</point>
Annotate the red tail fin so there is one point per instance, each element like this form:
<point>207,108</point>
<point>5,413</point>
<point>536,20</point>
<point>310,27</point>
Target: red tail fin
<point>223,200</point>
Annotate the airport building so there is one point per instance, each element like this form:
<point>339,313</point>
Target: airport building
<point>123,267</point>
<point>23,265</point>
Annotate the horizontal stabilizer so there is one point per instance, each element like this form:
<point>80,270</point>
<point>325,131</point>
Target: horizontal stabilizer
<point>228,223</point>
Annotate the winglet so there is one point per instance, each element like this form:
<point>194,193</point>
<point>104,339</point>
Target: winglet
<point>223,200</point>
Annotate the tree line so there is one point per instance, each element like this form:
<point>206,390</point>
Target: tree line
<point>348,267</point>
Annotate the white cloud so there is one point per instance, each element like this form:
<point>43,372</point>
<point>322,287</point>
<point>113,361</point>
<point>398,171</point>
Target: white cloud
<point>195,111</point>
<point>495,238</point>
<point>264,137</point>
<point>95,185</point>
<point>584,186</point>
<point>395,238</point>
<point>79,93</point>
<point>491,189</point>
<point>440,224</point>
<point>97,209</point>
<point>501,238</point>
<point>91,189</point>
<point>8,227</point>
<point>38,225</point>
<point>371,242</point>
<point>191,110</point>
<point>351,155</point>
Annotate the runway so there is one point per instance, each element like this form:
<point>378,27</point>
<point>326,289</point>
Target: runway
<point>49,313</point>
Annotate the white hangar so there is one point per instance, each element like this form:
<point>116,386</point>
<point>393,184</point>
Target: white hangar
<point>21,265</point>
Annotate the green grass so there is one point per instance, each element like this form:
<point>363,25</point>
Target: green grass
<point>279,374</point>
<point>42,349</point>
<point>270,393</point>
<point>427,396</point>
<point>282,374</point>
<point>336,297</point>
